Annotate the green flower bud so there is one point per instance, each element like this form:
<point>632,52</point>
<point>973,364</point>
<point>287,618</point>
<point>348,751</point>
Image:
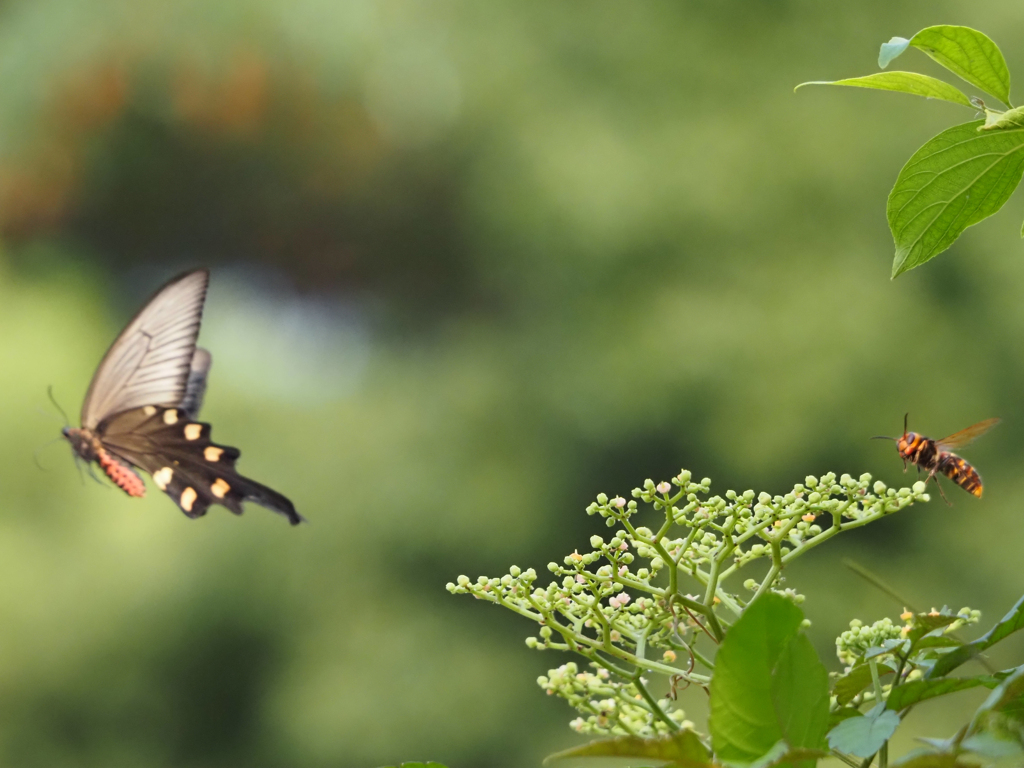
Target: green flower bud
<point>531,642</point>
<point>648,484</point>
<point>450,587</point>
<point>811,481</point>
<point>514,572</point>
<point>463,581</point>
<point>865,478</point>
<point>764,498</point>
<point>545,632</point>
<point>596,542</point>
<point>750,584</point>
<point>919,486</point>
<point>602,499</point>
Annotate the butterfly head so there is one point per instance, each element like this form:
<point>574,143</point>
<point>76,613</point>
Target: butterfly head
<point>82,441</point>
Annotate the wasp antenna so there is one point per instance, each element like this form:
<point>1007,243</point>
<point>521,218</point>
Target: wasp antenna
<point>884,437</point>
<point>49,391</point>
<point>905,417</point>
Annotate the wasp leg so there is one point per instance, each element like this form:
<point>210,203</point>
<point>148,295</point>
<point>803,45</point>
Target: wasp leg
<point>932,475</point>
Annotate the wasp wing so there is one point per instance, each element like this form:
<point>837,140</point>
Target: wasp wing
<point>965,436</point>
<point>150,362</point>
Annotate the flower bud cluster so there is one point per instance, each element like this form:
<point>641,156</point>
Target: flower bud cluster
<point>852,644</point>
<point>884,637</point>
<point>625,597</point>
<point>608,707</point>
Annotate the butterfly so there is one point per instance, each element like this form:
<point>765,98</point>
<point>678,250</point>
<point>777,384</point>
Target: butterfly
<point>141,408</point>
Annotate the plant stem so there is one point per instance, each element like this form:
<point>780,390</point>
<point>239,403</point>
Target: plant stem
<point>657,710</point>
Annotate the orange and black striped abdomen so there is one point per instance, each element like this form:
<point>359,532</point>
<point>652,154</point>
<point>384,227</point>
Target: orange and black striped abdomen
<point>960,472</point>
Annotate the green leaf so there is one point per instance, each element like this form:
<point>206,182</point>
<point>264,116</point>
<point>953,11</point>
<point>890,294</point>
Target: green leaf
<point>683,748</point>
<point>864,736</point>
<point>888,646</point>
<point>994,121</point>
<point>920,690</point>
<point>843,713</point>
<point>905,82</point>
<point>926,622</point>
<point>1006,696</point>
<point>800,694</point>
<point>855,681</point>
<point>419,765</point>
<point>891,50</point>
<point>939,641</point>
<point>992,746</point>
<point>768,685</point>
<point>925,759</point>
<point>969,54</point>
<point>955,180</point>
<point>1010,623</point>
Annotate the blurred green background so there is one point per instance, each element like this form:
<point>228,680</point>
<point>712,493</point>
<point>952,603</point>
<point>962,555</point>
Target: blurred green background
<point>473,263</point>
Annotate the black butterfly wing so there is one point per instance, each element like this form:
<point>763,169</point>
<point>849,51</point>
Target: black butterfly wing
<point>150,361</point>
<point>185,464</point>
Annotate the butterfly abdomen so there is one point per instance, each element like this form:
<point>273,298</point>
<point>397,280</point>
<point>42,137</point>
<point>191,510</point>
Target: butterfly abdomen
<point>123,477</point>
<point>961,473</point>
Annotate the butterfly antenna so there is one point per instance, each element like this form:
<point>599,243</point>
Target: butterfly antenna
<point>49,391</point>
<point>36,452</point>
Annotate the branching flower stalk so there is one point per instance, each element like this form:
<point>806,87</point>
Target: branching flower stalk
<point>646,607</point>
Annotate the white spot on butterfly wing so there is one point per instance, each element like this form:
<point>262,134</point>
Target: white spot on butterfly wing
<point>188,498</point>
<point>193,431</point>
<point>220,488</point>
<point>149,410</point>
<point>212,453</point>
<point>171,416</point>
<point>162,477</point>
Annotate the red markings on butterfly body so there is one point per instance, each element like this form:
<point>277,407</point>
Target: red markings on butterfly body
<point>123,477</point>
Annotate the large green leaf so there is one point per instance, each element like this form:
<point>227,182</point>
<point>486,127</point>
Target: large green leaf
<point>683,748</point>
<point>800,694</point>
<point>954,181</point>
<point>1010,623</point>
<point>768,685</point>
<point>969,54</point>
<point>864,736</point>
<point>904,82</point>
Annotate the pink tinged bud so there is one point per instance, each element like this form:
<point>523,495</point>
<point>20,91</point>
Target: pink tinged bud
<point>664,487</point>
<point>580,579</point>
<point>809,518</point>
<point>619,502</point>
<point>623,546</point>
<point>576,556</point>
<point>623,571</point>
